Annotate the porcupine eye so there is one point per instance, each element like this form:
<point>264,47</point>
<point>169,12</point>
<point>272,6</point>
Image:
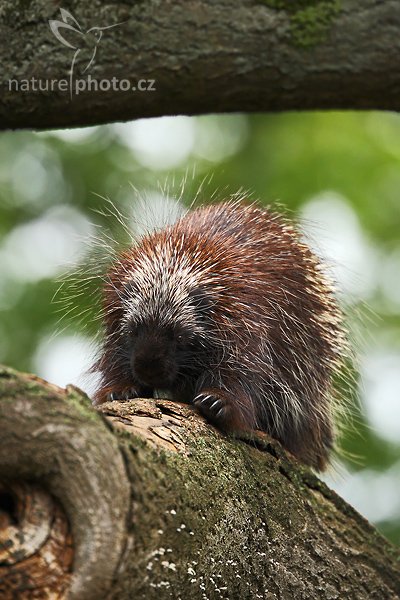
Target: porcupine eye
<point>190,355</point>
<point>133,331</point>
<point>131,335</point>
<point>180,339</point>
<point>186,342</point>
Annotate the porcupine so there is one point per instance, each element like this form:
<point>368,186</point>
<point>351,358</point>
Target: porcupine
<point>228,309</point>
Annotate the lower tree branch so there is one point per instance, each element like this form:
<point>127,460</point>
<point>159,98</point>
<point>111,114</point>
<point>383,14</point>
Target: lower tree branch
<point>155,503</point>
<point>51,437</point>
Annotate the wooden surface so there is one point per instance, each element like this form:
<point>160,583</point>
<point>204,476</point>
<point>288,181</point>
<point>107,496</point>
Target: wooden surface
<point>144,499</point>
<point>204,56</point>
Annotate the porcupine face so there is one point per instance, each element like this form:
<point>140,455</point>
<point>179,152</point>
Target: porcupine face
<point>161,356</point>
<point>165,330</point>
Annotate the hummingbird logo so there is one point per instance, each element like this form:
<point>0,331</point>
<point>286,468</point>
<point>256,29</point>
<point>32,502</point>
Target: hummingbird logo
<point>84,43</point>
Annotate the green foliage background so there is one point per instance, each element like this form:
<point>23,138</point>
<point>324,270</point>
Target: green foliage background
<point>292,158</point>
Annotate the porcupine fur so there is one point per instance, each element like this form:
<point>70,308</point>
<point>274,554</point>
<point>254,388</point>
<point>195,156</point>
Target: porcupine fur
<point>229,309</point>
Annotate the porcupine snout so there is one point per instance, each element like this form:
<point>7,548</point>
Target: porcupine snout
<point>152,362</point>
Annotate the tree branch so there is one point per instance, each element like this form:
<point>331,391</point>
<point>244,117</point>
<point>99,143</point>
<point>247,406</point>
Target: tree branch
<point>161,505</point>
<point>203,56</point>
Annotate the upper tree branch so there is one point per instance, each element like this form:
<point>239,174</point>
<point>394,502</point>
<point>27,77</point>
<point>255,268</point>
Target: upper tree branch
<point>204,55</point>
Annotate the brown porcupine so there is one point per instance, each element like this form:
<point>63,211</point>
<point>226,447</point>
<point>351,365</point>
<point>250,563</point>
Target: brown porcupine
<point>230,310</point>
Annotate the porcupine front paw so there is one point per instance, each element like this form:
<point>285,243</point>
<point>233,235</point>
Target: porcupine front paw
<point>138,391</point>
<point>215,407</point>
<point>106,395</point>
<point>120,395</point>
<point>123,395</point>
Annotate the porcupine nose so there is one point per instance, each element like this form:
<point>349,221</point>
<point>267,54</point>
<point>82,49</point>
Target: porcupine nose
<point>151,366</point>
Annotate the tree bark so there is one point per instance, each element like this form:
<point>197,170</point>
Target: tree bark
<point>143,499</point>
<point>203,56</point>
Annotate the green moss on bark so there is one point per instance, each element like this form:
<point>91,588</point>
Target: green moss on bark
<point>310,20</point>
<point>81,403</point>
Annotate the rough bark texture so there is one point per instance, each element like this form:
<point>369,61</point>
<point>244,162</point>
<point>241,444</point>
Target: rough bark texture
<point>50,436</point>
<point>35,544</point>
<point>204,56</point>
<point>161,505</point>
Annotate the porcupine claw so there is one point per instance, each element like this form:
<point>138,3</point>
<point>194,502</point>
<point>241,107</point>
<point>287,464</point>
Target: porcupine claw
<point>213,407</point>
